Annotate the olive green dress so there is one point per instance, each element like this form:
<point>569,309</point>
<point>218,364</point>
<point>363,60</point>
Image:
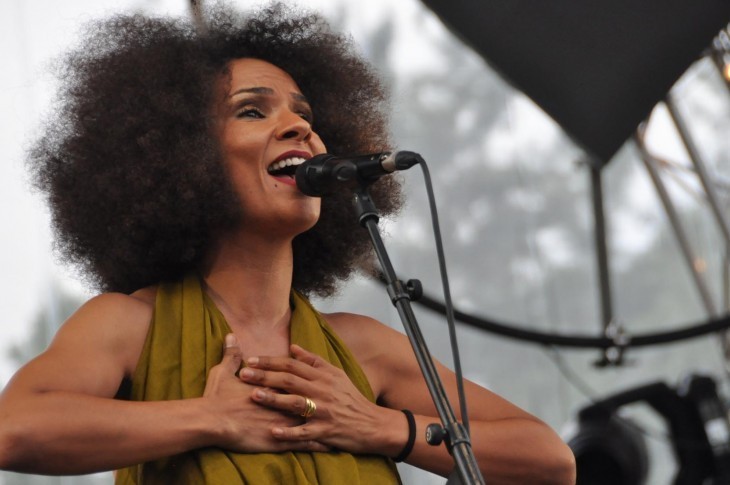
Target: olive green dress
<point>184,341</point>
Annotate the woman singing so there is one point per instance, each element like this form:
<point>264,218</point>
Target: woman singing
<point>168,169</point>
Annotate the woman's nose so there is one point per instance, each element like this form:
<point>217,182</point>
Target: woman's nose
<point>294,126</point>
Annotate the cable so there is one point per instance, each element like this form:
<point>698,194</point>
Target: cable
<point>448,307</point>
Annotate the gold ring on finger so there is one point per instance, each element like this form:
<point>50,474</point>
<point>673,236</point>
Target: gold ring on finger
<point>309,408</point>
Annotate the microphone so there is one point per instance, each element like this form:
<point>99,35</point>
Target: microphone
<point>320,174</point>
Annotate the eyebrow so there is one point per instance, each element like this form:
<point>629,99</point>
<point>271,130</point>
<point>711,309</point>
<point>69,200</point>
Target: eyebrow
<point>268,92</point>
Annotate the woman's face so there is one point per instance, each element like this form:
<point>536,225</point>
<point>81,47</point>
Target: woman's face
<point>266,124</point>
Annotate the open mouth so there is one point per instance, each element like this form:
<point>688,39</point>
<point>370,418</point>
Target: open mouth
<point>286,167</point>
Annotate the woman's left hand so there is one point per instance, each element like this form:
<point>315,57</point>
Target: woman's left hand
<point>344,418</point>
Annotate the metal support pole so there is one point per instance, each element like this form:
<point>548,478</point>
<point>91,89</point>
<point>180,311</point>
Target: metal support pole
<point>612,355</point>
<point>196,10</point>
<point>676,226</point>
<point>720,54</point>
<point>604,282</point>
<point>699,164</point>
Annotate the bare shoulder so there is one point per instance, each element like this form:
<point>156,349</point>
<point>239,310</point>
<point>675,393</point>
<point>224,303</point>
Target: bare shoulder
<point>360,330</point>
<point>113,323</point>
<point>93,351</point>
<point>111,313</point>
<point>379,349</point>
<point>137,304</point>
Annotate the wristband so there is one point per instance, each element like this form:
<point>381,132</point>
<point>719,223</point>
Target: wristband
<point>411,437</point>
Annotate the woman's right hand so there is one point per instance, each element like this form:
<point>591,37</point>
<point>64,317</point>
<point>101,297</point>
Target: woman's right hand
<point>244,425</point>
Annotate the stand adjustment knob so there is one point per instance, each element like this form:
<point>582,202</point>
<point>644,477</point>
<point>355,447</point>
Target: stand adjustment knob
<point>414,289</point>
<point>435,434</point>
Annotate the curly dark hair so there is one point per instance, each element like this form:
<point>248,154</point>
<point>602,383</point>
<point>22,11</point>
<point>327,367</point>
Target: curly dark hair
<point>133,176</point>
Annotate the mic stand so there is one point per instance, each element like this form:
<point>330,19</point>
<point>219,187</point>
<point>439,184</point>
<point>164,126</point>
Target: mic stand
<point>451,431</point>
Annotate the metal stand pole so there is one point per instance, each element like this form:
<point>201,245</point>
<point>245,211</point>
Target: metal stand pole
<point>456,437</point>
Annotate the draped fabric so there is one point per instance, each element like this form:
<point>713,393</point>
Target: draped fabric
<point>184,341</point>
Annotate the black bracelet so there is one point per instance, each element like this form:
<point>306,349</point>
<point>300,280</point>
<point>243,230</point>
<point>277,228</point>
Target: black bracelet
<point>411,437</point>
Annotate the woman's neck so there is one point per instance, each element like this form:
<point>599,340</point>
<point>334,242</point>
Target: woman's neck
<point>250,280</point>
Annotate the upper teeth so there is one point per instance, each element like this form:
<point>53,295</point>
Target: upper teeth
<point>285,163</point>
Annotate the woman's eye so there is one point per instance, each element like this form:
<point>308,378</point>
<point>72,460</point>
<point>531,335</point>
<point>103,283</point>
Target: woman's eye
<point>249,113</point>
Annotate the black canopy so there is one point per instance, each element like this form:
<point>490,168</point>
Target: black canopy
<point>596,66</point>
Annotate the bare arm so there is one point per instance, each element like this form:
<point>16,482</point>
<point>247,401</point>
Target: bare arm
<point>58,415</point>
<point>511,446</point>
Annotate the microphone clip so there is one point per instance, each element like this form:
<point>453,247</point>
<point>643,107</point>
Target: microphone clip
<point>321,174</point>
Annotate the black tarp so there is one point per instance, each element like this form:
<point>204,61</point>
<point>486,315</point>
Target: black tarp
<point>596,66</point>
